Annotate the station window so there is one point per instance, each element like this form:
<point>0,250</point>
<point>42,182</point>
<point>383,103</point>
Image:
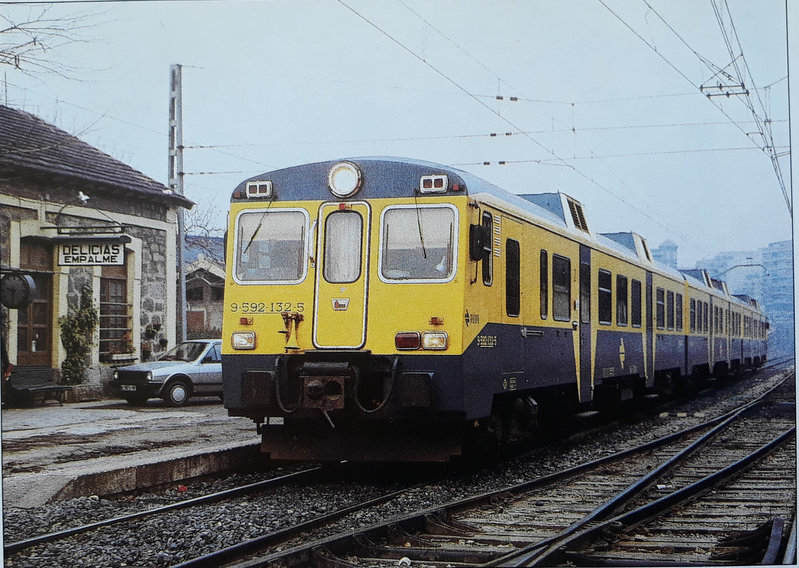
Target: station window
<point>678,311</point>
<point>605,297</point>
<point>621,300</point>
<point>116,320</point>
<point>544,284</point>
<point>512,278</point>
<point>635,300</point>
<point>561,288</point>
<point>661,308</point>
<point>670,310</point>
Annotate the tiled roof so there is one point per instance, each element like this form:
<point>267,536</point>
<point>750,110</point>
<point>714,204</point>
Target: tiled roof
<point>28,142</point>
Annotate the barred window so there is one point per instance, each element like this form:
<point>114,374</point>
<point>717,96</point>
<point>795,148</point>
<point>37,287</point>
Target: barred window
<point>116,331</point>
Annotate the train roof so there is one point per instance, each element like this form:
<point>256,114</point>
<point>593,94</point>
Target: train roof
<point>386,177</point>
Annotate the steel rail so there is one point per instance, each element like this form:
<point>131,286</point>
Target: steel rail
<point>666,503</point>
<point>15,547</point>
<point>308,550</point>
<point>524,555</point>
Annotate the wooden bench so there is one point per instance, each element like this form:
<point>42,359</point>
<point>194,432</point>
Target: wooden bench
<point>27,387</point>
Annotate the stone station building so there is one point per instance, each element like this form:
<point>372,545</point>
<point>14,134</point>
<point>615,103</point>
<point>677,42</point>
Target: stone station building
<point>72,218</point>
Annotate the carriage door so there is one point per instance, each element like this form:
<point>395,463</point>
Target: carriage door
<point>585,390</point>
<point>341,276</point>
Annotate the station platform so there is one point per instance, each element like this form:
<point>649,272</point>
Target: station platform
<point>55,451</point>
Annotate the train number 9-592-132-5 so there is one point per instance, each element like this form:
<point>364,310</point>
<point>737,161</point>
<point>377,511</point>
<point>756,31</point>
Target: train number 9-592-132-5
<point>266,307</point>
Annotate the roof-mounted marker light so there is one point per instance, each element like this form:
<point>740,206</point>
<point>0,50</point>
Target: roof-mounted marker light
<point>344,179</point>
<point>433,184</point>
<point>259,189</point>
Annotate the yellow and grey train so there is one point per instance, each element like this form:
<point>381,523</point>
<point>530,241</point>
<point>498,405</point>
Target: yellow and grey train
<point>394,309</point>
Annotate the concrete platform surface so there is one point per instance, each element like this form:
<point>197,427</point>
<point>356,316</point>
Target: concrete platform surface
<point>103,447</point>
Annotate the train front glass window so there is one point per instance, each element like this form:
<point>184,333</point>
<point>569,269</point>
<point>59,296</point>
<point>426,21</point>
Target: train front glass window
<point>270,246</point>
<point>418,243</point>
<point>342,261</point>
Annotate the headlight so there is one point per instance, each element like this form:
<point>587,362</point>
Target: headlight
<point>242,340</point>
<point>116,375</point>
<point>149,376</point>
<point>434,340</point>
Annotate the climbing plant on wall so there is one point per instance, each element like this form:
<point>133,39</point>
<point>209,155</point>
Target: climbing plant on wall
<point>77,336</point>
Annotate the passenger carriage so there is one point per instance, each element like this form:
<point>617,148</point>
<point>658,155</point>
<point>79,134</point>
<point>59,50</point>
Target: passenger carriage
<point>381,308</point>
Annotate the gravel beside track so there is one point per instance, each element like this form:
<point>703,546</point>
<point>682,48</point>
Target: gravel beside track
<point>183,535</point>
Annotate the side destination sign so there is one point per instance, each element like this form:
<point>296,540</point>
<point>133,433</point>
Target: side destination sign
<point>91,253</point>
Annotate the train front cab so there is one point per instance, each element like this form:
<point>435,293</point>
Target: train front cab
<point>353,350</point>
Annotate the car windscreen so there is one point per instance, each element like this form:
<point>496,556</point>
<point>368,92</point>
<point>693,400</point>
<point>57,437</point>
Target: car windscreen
<point>188,351</point>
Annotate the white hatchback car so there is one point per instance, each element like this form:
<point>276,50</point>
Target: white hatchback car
<point>192,368</point>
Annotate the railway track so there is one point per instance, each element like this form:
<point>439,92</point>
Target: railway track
<point>403,534</point>
<point>249,489</point>
<point>575,514</point>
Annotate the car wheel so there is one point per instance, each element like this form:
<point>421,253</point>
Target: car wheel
<point>137,400</point>
<point>177,393</point>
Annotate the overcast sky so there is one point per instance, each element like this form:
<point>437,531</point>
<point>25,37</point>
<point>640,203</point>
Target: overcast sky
<point>610,105</point>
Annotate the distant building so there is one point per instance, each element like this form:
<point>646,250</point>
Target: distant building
<point>778,296</point>
<point>666,253</point>
<point>767,275</point>
<point>74,218</point>
<point>205,286</point>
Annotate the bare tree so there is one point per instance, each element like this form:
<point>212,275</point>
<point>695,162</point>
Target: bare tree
<point>28,37</point>
<point>200,231</point>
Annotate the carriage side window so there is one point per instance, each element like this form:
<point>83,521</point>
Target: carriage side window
<point>342,263</point>
<point>512,278</point>
<point>418,243</point>
<point>270,246</point>
<point>544,284</point>
<point>488,260</point>
<point>678,310</point>
<point>635,300</point>
<point>692,321</point>
<point>605,297</point>
<point>670,310</point>
<point>561,288</point>
<point>661,308</point>
<point>705,315</point>
<point>621,300</point>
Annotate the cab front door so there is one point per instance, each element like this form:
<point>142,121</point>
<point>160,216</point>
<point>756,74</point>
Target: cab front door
<point>342,273</point>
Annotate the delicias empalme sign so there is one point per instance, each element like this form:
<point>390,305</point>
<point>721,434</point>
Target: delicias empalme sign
<point>91,253</point>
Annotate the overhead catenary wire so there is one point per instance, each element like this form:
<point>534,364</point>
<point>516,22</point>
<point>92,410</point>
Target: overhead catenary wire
<point>765,147</point>
<point>590,179</point>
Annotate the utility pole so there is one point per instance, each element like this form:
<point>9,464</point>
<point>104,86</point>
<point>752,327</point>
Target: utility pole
<point>176,182</point>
